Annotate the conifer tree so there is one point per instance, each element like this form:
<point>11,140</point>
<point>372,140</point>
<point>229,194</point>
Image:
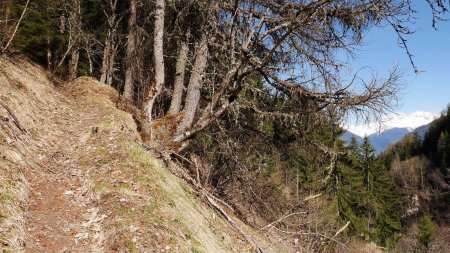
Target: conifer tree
<point>387,217</point>
<point>368,161</point>
<point>366,195</point>
<point>427,230</point>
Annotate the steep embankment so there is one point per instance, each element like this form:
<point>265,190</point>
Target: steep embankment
<point>74,179</point>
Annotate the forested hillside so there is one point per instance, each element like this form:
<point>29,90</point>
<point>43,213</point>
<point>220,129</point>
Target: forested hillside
<point>241,100</point>
<point>420,170</point>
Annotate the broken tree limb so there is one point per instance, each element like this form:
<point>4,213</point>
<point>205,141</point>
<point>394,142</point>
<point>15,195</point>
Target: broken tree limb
<point>211,200</point>
<point>312,197</point>
<point>282,218</point>
<point>342,229</point>
<point>16,120</point>
<point>230,220</point>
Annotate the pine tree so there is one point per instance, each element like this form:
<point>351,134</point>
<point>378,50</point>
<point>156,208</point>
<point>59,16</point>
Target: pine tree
<point>427,230</point>
<point>351,196</point>
<point>383,222</point>
<point>368,160</point>
<point>384,194</point>
<point>366,195</point>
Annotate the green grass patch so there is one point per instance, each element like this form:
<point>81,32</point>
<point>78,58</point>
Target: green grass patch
<point>149,212</point>
<point>130,245</point>
<point>103,161</point>
<point>5,198</point>
<point>98,187</point>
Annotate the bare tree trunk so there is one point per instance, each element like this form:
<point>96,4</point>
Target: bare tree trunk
<point>130,55</point>
<point>6,7</point>
<point>109,55</point>
<point>73,66</point>
<point>49,55</point>
<point>89,56</point>
<point>109,50</point>
<point>62,24</point>
<point>210,113</point>
<point>159,67</point>
<point>177,96</point>
<point>106,56</point>
<point>75,28</point>
<point>16,27</point>
<point>195,84</point>
<point>112,59</point>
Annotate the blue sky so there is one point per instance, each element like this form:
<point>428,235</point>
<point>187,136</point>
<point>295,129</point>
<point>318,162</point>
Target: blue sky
<point>427,91</point>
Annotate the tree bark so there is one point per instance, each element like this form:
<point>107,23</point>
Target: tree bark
<point>109,51</point>
<point>73,66</point>
<point>130,54</point>
<point>194,86</point>
<point>177,96</point>
<point>112,60</point>
<point>5,6</point>
<point>49,55</point>
<point>106,56</point>
<point>158,49</point>
<point>75,28</point>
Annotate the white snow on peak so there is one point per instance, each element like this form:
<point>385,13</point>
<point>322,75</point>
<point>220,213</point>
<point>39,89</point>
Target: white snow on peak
<point>394,120</point>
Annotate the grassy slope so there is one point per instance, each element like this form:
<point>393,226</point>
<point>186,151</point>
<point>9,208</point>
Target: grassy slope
<point>147,208</point>
<point>28,93</point>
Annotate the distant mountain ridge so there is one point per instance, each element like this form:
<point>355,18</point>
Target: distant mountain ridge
<point>409,121</point>
<point>382,140</point>
<point>390,129</point>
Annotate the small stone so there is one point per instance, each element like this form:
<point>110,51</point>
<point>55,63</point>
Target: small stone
<point>68,193</point>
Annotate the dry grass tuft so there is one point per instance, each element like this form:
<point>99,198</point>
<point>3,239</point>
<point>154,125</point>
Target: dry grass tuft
<point>139,206</point>
<point>29,97</point>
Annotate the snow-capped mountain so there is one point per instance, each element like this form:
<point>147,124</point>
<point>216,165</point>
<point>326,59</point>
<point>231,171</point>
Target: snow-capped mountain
<point>390,129</point>
<point>409,121</point>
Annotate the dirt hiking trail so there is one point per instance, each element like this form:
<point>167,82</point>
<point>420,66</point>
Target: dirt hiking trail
<point>74,178</point>
<point>60,216</point>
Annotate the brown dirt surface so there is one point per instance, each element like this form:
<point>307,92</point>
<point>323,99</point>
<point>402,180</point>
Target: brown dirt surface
<point>73,177</point>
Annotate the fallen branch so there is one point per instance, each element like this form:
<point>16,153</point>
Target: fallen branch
<point>312,197</point>
<point>223,203</point>
<point>342,229</point>
<point>337,233</point>
<point>247,237</point>
<point>282,218</point>
<point>209,197</point>
<point>211,200</point>
<point>16,120</point>
<point>310,233</point>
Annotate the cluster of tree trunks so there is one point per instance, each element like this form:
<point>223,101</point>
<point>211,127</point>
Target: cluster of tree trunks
<point>198,57</point>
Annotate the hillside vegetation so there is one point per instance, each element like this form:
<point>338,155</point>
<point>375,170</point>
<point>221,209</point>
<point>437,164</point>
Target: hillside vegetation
<point>203,126</point>
<point>74,177</point>
<point>420,169</point>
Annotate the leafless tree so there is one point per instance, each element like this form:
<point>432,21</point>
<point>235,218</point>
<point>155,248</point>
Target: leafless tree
<point>111,44</point>
<point>292,45</point>
<point>177,96</point>
<point>131,51</point>
<point>16,27</point>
